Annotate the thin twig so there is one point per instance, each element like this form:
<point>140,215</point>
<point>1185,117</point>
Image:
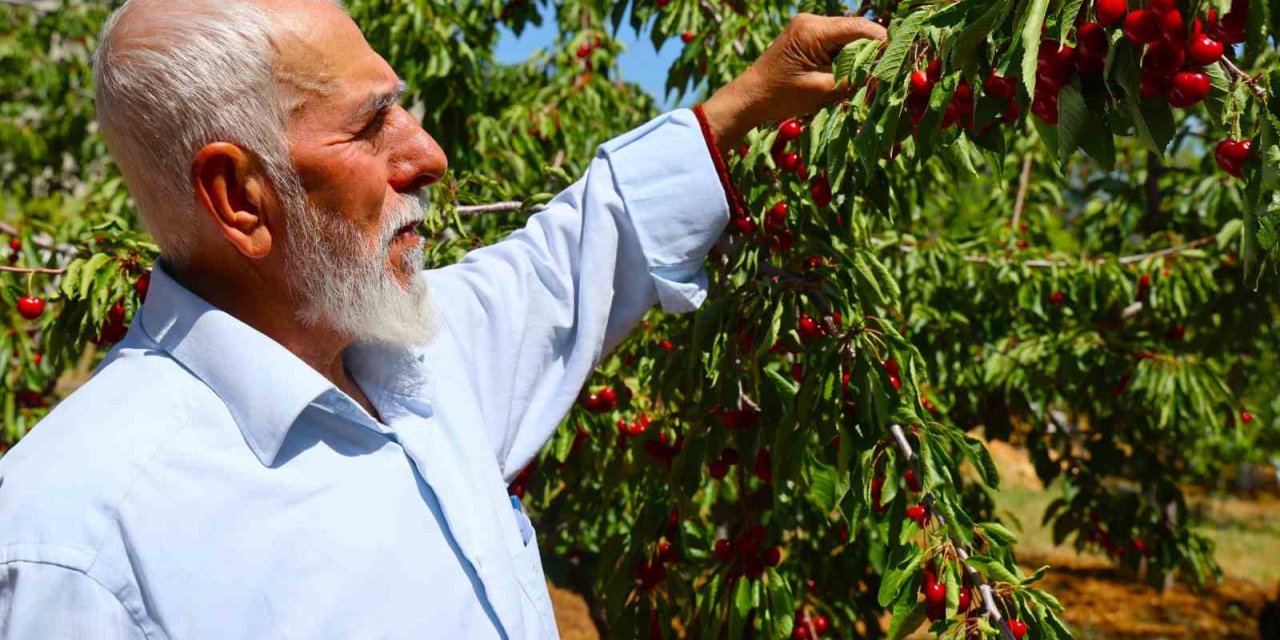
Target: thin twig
<point>1244,77</point>
<point>984,589</point>
<point>506,206</point>
<point>1139,257</point>
<point>43,241</point>
<point>1023,182</point>
<point>718,19</point>
<point>52,272</point>
<point>38,5</point>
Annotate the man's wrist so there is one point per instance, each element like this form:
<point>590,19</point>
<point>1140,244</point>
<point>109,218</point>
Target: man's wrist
<point>729,115</point>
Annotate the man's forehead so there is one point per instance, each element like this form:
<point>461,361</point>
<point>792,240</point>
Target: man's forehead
<point>322,52</point>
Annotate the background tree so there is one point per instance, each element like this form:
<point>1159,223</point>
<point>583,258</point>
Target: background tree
<point>1062,245</point>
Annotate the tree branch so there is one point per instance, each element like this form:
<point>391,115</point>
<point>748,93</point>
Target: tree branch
<point>43,6</point>
<point>43,270</point>
<point>1021,199</point>
<point>1243,77</point>
<point>506,206</point>
<point>988,596</point>
<point>1130,259</point>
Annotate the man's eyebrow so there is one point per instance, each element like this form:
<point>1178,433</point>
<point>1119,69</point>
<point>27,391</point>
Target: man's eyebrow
<point>378,102</point>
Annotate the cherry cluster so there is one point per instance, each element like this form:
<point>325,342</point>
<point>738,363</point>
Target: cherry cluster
<point>778,236</point>
<point>807,626</point>
<point>602,401</point>
<point>747,554</point>
<point>763,468</point>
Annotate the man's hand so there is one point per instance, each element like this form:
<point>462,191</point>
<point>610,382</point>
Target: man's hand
<point>792,77</point>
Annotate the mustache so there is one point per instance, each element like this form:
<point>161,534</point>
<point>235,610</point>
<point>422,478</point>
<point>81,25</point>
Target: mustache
<point>410,209</point>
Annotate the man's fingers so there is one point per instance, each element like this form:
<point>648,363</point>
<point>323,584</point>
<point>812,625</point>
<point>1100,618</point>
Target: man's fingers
<point>833,33</point>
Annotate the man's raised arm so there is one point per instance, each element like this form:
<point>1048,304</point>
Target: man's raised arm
<point>535,313</point>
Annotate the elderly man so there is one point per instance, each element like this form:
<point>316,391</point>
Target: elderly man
<point>303,435</point>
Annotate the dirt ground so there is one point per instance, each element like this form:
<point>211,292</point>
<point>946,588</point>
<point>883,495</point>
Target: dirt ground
<point>1101,602</point>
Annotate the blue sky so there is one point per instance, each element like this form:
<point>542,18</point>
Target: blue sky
<point>639,63</point>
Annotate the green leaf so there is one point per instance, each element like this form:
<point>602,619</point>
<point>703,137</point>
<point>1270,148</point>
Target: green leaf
<point>997,532</point>
<point>1032,21</point>
<point>907,617</point>
<point>1072,118</point>
<point>901,36</point>
<point>902,568</point>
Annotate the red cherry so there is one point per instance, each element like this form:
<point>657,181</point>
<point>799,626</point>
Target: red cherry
<point>30,307</point>
<point>1173,28</point>
<point>797,372</point>
<point>998,87</point>
<point>1045,107</point>
<point>772,556</point>
<point>1232,154</point>
<point>934,70</point>
<point>820,190</point>
<point>790,161</point>
<point>1111,12</point>
<point>142,285</point>
<point>687,37</point>
<point>821,624</point>
<point>800,632</point>
<point>808,328</point>
<point>609,397</point>
<point>1189,87</point>
<point>723,550</point>
<point>877,488</point>
<point>919,514</point>
<point>1246,417</point>
<point>15,244</point>
<point>1155,84</point>
<point>919,83</point>
<point>37,358</point>
<point>1142,26</point>
<point>790,130</point>
<point>913,483</point>
<point>1057,297</point>
<point>729,455</point>
<point>1092,42</point>
<point>745,226</point>
<point>1163,6</point>
<point>966,599</point>
<point>584,50</point>
<point>1019,629</point>
<point>1163,58</point>
<point>718,469</point>
<point>666,345</point>
<point>777,216</point>
<point>1054,65</point>
<point>1144,281</point>
<point>1204,50</point>
<point>935,592</point>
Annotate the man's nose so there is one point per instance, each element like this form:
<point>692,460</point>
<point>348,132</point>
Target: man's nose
<point>416,159</point>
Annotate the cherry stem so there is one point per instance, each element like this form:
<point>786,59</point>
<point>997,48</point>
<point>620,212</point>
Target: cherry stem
<point>984,589</point>
<point>1243,77</point>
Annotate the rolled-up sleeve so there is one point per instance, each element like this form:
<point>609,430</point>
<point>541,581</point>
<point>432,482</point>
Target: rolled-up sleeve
<point>533,315</point>
<point>39,601</point>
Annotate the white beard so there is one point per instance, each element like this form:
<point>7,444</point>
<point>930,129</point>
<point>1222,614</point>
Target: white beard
<point>342,280</point>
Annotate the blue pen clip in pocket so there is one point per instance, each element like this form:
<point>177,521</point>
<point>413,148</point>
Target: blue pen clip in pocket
<point>526,526</point>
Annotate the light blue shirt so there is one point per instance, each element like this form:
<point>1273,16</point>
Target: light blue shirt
<point>205,483</point>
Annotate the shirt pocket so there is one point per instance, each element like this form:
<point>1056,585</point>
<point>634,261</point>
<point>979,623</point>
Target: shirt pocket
<point>528,566</point>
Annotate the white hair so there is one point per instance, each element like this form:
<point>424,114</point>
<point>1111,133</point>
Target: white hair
<point>172,76</point>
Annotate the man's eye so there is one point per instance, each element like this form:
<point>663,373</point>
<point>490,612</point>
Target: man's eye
<point>374,128</point>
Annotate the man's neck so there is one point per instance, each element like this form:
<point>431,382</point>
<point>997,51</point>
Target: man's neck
<point>272,314</point>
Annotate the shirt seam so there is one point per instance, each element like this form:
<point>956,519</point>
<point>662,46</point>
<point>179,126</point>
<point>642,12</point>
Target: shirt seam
<point>75,570</point>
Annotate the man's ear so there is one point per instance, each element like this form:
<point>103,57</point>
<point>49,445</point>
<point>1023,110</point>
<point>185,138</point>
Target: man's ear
<point>232,189</point>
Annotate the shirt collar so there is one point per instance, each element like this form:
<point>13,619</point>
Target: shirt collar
<point>265,386</point>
